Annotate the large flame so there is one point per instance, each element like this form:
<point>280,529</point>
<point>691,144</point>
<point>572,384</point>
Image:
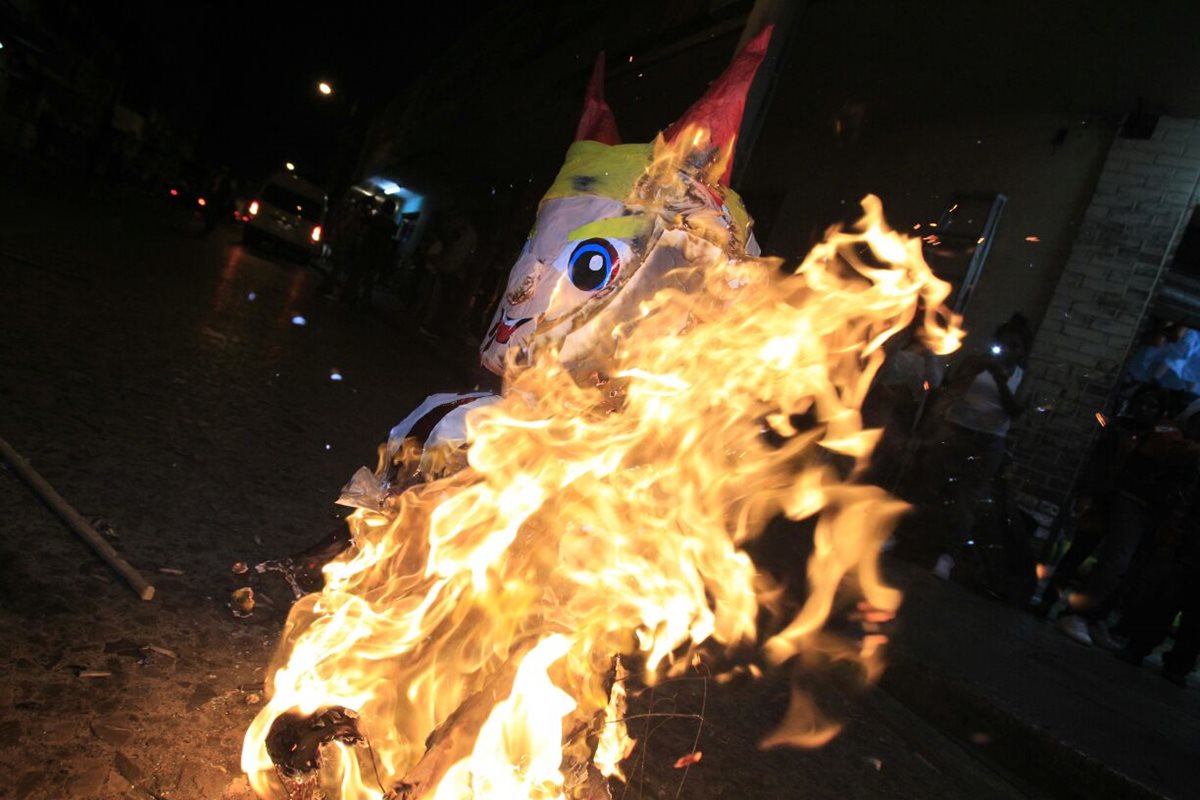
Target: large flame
<point>606,515</point>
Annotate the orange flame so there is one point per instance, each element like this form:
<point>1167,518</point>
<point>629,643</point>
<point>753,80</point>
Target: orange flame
<point>492,602</point>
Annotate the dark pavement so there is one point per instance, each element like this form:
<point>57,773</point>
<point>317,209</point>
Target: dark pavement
<point>1071,719</point>
<point>158,381</point>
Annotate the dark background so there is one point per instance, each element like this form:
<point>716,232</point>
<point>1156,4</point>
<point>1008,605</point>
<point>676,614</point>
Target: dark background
<point>243,75</point>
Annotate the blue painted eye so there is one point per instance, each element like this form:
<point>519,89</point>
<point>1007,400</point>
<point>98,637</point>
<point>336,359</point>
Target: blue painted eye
<point>593,265</point>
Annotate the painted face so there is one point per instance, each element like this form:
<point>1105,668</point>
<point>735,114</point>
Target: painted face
<point>581,249</point>
<point>618,219</point>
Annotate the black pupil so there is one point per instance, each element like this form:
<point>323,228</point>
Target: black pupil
<point>592,264</point>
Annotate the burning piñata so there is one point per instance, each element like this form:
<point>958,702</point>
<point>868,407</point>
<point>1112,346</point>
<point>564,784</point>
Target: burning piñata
<point>667,392</point>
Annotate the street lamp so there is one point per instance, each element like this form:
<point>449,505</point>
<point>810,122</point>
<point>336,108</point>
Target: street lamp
<point>290,166</point>
<point>324,88</point>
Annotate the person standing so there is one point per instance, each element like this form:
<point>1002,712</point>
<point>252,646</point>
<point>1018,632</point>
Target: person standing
<point>453,268</point>
<point>1150,487</point>
<point>1168,582</point>
<point>981,403</point>
<point>378,248</point>
<point>1105,477</point>
<point>219,202</point>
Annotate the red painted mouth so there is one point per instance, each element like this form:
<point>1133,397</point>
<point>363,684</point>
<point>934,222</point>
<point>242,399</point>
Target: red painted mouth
<point>504,328</point>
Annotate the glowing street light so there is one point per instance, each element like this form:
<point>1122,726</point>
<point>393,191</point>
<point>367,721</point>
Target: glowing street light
<point>290,166</point>
<point>324,88</point>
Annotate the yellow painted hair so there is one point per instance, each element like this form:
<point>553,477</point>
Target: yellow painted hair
<point>614,170</point>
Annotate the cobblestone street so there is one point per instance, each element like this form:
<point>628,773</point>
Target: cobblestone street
<point>159,382</point>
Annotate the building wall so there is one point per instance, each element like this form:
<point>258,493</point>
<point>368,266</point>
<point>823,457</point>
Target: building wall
<point>802,179</point>
<point>1144,197</point>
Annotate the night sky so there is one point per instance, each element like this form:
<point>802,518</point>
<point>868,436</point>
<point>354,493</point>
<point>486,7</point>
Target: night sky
<point>242,75</point>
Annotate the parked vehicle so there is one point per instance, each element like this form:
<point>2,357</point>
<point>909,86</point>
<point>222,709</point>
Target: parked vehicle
<point>288,212</point>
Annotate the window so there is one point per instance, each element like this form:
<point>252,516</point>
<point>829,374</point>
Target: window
<point>293,202</point>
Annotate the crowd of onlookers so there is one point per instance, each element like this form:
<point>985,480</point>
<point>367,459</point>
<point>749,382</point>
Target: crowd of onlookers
<point>1120,568</point>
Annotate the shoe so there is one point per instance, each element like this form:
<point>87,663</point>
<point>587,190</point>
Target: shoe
<point>1074,627</point>
<point>1102,637</point>
<point>943,567</point>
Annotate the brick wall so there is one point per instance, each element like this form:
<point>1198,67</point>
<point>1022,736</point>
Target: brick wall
<point>1144,196</point>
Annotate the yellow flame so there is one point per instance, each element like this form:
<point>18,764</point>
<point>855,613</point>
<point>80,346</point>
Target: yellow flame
<point>519,747</point>
<point>615,744</point>
<point>481,612</point>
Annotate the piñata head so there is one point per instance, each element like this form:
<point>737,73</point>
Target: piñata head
<point>619,218</point>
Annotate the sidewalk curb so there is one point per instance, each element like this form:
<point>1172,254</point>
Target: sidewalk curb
<point>1019,745</point>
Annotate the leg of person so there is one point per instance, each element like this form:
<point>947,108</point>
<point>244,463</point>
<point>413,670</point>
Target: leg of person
<point>979,477</point>
<point>1181,659</point>
<point>1088,534</point>
<point>954,448</point>
<point>354,278</point>
<point>1149,616</point>
<point>432,297</point>
<point>1129,522</point>
<point>976,458</point>
<point>329,282</point>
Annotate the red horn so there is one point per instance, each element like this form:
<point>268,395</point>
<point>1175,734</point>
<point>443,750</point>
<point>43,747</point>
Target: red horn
<point>721,108</point>
<point>597,123</point>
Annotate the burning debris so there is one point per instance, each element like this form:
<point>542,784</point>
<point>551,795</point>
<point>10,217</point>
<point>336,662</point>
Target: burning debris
<point>667,394</point>
<point>295,739</point>
<point>241,602</point>
<point>162,651</point>
<point>302,571</point>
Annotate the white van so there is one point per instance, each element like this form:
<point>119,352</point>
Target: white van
<point>288,211</point>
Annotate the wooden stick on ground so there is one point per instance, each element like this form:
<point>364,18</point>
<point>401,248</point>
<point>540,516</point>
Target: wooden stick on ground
<point>77,523</point>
